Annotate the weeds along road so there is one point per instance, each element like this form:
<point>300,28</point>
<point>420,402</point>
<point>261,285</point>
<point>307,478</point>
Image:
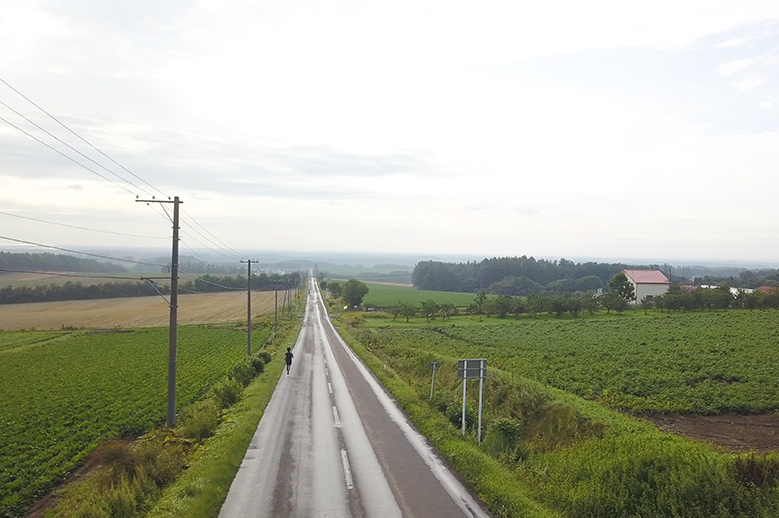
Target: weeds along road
<point>332,443</point>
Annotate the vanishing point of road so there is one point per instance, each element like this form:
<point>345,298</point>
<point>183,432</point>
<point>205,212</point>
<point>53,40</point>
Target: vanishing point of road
<point>333,443</point>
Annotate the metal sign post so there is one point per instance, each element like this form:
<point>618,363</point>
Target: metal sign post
<point>433,367</point>
<point>472,369</point>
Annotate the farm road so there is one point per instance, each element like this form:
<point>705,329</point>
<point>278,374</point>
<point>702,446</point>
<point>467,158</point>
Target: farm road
<point>333,443</point>
<point>134,311</point>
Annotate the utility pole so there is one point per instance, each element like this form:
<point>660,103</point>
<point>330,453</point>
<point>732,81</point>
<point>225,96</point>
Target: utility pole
<point>174,301</point>
<point>276,310</point>
<point>249,307</point>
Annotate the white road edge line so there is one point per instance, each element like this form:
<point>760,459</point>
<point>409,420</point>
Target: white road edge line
<point>336,418</point>
<point>347,469</point>
<point>456,490</point>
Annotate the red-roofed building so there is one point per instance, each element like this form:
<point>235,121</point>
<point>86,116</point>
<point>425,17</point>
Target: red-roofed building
<point>647,282</point>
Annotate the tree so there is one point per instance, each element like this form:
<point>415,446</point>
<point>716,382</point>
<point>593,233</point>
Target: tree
<point>429,308</point>
<point>448,309</point>
<point>353,291</point>
<point>335,289</point>
<point>622,287</point>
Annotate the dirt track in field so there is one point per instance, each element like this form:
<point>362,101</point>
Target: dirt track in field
<point>134,311</point>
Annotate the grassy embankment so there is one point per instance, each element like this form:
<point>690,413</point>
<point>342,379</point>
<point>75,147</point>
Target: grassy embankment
<point>548,452</point>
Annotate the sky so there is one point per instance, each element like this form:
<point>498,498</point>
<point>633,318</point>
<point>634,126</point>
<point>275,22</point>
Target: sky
<point>600,129</point>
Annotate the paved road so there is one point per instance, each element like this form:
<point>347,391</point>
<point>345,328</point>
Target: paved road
<point>332,443</point>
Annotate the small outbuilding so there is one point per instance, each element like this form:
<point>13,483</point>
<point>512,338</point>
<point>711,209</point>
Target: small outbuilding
<point>647,282</point>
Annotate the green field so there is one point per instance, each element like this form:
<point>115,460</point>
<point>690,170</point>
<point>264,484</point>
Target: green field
<point>695,362</point>
<point>61,394</point>
<point>565,456</point>
<point>386,295</point>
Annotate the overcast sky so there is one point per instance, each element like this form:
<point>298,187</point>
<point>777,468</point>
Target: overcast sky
<point>605,129</point>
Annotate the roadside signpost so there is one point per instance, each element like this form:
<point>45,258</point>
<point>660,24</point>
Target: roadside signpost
<point>472,369</point>
<point>433,367</point>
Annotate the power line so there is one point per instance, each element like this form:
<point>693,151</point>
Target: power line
<point>205,245</point>
<point>83,253</point>
<point>66,156</point>
<point>79,228</point>
<point>59,274</point>
<point>74,149</point>
<point>209,233</point>
<point>80,137</point>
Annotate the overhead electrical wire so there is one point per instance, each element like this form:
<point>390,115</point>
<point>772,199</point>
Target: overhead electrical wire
<point>209,233</point>
<point>219,244</point>
<point>83,253</point>
<point>55,137</point>
<point>80,137</point>
<point>81,228</point>
<point>61,274</point>
<point>66,156</point>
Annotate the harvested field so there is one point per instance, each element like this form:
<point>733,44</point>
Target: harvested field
<point>733,432</point>
<point>134,311</point>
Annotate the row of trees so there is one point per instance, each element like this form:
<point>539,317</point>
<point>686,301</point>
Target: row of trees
<point>523,276</point>
<point>575,304</point>
<point>519,276</point>
<point>55,263</point>
<point>80,291</point>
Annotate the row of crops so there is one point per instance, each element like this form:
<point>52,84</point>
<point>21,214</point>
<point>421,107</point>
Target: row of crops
<point>696,362</point>
<point>64,393</point>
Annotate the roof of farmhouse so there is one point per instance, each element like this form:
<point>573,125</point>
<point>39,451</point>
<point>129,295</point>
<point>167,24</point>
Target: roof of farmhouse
<point>647,276</point>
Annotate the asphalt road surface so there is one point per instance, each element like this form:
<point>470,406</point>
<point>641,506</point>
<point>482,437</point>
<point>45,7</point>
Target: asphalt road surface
<point>333,443</point>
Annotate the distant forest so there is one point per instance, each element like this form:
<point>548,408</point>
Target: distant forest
<point>55,263</point>
<point>523,276</point>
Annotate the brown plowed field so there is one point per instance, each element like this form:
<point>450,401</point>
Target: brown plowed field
<point>134,311</point>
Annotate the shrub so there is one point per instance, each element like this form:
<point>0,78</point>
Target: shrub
<point>502,436</point>
<point>226,392</point>
<point>454,412</point>
<point>242,372</point>
<point>756,470</point>
<point>257,364</point>
<point>199,421</point>
<point>265,355</point>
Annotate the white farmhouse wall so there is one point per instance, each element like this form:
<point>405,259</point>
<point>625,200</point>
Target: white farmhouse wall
<point>642,290</point>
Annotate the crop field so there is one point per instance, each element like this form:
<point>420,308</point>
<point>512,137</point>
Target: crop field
<point>574,457</point>
<point>62,393</point>
<point>695,362</point>
<point>134,311</point>
<point>386,295</point>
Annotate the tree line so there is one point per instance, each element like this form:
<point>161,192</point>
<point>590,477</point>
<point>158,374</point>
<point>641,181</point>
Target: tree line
<point>55,263</point>
<point>205,284</point>
<point>618,298</point>
<point>524,276</point>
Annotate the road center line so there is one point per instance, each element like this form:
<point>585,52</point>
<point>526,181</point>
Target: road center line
<point>329,387</point>
<point>336,419</point>
<point>347,469</point>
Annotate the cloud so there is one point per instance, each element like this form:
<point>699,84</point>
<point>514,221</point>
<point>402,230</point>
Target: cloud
<point>749,83</point>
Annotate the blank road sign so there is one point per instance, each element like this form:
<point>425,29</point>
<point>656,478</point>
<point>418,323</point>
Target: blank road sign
<point>471,369</point>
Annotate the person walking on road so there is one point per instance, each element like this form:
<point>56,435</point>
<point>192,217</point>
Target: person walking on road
<point>288,359</point>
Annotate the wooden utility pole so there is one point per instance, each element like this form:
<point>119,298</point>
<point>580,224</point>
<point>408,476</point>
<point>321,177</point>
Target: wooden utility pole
<point>174,301</point>
<point>276,310</point>
<point>249,307</point>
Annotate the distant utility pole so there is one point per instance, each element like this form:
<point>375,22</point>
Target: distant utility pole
<point>249,307</point>
<point>276,310</point>
<point>174,301</point>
